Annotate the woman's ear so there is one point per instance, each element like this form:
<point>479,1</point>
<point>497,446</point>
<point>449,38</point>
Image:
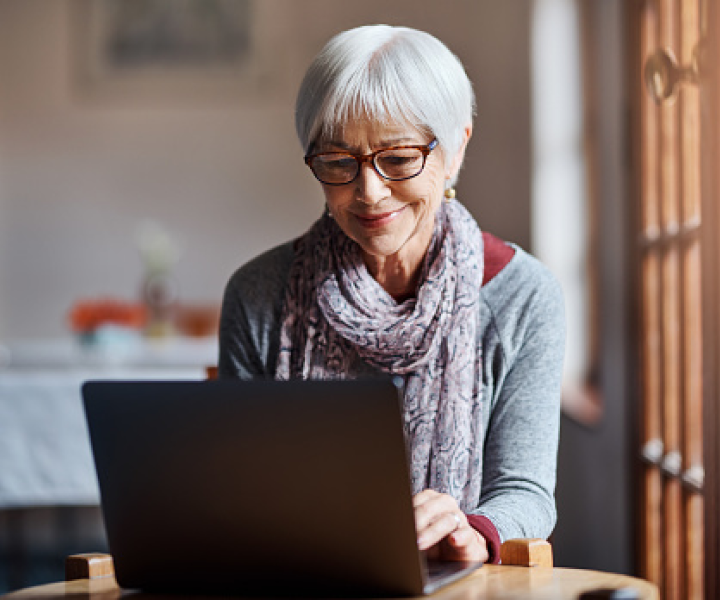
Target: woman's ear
<point>454,166</point>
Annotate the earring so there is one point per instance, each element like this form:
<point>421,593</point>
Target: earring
<point>328,213</point>
<point>449,194</point>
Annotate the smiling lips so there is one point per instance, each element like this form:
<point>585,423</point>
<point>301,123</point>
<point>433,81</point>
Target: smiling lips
<point>379,220</point>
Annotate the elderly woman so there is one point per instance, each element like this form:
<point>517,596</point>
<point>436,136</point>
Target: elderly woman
<point>397,278</point>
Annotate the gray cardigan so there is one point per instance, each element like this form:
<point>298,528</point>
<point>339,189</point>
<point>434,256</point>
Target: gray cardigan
<point>523,338</point>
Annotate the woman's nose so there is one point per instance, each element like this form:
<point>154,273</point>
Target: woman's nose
<point>371,186</point>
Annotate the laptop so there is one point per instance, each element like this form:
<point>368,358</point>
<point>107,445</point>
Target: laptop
<point>258,487</point>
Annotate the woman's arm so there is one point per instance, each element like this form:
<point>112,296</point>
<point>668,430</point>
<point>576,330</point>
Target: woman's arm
<point>522,436</point>
<point>523,346</point>
<point>251,311</point>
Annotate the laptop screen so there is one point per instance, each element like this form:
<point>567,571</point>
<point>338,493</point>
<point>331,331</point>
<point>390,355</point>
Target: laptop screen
<point>259,485</point>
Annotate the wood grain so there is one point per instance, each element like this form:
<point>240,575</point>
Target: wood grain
<point>491,582</point>
<point>527,553</point>
<point>88,566</point>
<point>651,420</point>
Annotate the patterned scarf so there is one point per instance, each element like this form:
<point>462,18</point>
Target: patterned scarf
<point>335,312</point>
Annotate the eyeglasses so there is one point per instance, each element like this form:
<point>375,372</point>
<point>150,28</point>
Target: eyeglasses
<point>396,163</point>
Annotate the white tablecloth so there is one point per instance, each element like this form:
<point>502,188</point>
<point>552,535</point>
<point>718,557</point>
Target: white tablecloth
<point>45,456</point>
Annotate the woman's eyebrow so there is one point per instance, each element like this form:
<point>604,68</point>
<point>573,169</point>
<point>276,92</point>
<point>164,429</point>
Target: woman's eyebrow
<point>337,144</point>
<point>383,144</point>
<point>400,141</point>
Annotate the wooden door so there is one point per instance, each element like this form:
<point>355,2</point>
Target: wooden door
<point>676,252</point>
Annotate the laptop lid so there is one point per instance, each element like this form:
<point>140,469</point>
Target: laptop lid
<point>258,487</point>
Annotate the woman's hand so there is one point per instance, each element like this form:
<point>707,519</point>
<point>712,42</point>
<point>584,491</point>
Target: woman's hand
<point>443,530</point>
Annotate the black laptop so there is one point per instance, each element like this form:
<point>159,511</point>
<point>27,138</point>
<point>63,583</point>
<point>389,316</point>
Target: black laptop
<point>259,487</point>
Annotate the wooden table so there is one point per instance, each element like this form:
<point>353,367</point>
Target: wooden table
<point>491,582</point>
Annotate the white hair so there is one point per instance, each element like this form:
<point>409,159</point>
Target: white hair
<point>389,75</point>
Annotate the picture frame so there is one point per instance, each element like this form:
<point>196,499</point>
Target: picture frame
<point>178,52</point>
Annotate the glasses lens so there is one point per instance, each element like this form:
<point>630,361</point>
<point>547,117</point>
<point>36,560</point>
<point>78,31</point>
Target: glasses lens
<point>400,163</point>
<point>335,168</point>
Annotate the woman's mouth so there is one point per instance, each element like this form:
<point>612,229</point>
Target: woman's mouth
<point>378,220</point>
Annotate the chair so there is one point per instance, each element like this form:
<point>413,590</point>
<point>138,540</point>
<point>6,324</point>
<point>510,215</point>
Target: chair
<point>517,552</point>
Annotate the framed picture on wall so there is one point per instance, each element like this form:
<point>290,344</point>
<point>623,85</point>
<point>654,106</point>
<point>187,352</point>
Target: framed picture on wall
<point>178,51</point>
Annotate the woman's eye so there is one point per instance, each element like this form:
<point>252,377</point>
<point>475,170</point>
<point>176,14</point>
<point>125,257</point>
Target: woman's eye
<point>341,162</point>
<point>406,159</point>
<point>398,159</point>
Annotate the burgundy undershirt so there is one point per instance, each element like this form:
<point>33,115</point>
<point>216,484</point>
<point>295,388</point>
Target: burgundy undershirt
<point>497,255</point>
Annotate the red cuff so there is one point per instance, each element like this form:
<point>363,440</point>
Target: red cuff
<point>485,528</point>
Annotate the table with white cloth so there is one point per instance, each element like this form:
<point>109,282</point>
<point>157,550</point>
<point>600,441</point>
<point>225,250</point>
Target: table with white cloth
<point>45,455</point>
<point>44,446</point>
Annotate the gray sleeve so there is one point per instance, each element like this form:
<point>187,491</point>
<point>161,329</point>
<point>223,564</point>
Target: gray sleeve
<point>521,441</point>
<point>251,312</point>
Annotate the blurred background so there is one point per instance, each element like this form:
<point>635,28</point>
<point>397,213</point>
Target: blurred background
<point>147,149</point>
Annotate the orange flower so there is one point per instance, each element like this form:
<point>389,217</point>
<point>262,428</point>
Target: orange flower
<point>87,315</point>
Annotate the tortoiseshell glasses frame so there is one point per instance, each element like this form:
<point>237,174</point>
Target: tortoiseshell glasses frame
<point>396,163</point>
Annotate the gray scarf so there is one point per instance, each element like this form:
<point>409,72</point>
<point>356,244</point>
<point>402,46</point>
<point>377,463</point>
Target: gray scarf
<point>335,312</point>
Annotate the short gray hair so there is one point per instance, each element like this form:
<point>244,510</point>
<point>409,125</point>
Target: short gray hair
<point>389,75</point>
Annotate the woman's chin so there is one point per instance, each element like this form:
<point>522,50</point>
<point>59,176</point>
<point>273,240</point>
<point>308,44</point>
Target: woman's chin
<point>400,242</point>
<point>380,248</point>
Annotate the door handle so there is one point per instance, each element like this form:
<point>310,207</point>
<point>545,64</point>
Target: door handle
<point>663,74</point>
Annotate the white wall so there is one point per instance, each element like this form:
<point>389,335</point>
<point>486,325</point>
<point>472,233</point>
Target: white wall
<point>77,176</point>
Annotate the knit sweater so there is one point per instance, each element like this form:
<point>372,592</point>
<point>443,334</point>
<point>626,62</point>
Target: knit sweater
<point>523,338</point>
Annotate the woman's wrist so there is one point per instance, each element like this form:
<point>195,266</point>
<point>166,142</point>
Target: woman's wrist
<point>486,529</point>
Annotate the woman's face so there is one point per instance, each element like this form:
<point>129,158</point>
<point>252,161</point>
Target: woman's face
<point>386,218</point>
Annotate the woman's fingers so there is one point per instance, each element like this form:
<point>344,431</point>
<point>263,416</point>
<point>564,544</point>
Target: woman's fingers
<point>467,544</point>
<point>444,528</point>
<point>462,537</point>
<point>436,516</point>
<point>437,530</point>
<point>429,505</point>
